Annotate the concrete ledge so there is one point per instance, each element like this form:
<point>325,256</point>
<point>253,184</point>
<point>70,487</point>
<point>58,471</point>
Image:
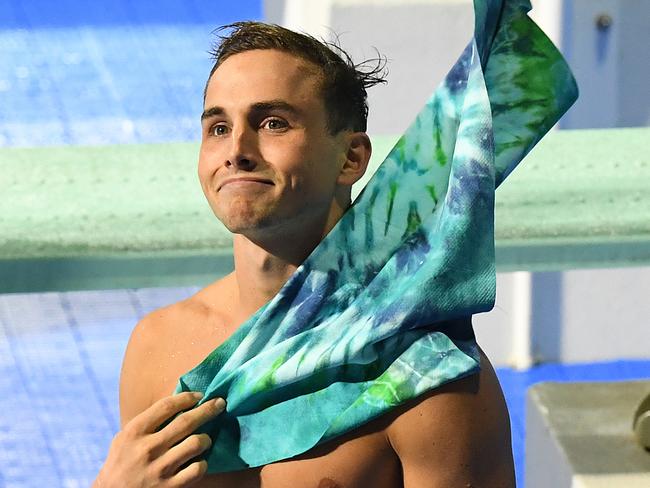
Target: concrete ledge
<point>579,200</point>
<point>113,271</point>
<point>579,435</point>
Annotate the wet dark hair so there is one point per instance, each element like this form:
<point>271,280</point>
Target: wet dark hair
<point>343,84</point>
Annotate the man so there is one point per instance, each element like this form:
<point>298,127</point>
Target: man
<point>283,141</point>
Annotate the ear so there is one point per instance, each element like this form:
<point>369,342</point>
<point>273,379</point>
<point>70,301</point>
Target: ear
<point>357,158</point>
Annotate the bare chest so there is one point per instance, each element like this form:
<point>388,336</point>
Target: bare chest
<point>360,458</point>
<point>356,460</point>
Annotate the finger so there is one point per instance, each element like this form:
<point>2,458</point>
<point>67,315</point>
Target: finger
<point>193,473</point>
<point>181,453</point>
<point>186,423</point>
<point>149,420</point>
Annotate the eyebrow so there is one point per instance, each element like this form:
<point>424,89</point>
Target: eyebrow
<point>256,108</point>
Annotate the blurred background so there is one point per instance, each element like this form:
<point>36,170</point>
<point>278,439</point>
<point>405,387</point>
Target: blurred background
<point>110,73</point>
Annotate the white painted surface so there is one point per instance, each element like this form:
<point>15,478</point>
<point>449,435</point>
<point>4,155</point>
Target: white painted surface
<point>421,42</point>
<point>494,329</point>
<point>549,16</point>
<point>421,39</point>
<point>605,315</point>
<point>312,17</point>
<point>542,449</point>
<point>594,57</point>
<point>575,316</point>
<point>634,64</point>
<point>273,11</point>
<point>611,65</point>
<point>384,3</point>
<point>522,315</point>
<point>621,480</point>
<point>505,332</point>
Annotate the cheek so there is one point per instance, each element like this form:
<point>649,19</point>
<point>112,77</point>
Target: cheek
<point>289,159</point>
<point>202,180</point>
<point>282,150</point>
<point>313,180</point>
<point>207,165</point>
<point>322,168</point>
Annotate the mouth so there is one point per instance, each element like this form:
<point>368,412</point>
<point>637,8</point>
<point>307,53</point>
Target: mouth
<point>244,183</point>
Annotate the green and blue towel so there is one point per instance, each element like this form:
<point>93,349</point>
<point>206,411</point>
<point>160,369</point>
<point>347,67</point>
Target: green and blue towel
<point>380,312</point>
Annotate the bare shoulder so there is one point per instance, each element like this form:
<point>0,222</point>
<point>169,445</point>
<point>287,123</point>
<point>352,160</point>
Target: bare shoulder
<point>456,435</point>
<point>143,360</point>
<point>164,344</point>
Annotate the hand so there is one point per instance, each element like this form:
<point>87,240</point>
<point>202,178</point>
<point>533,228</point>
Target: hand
<point>140,457</point>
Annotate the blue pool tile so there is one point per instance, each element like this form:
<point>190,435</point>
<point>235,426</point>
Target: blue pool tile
<point>107,72</point>
<point>35,14</point>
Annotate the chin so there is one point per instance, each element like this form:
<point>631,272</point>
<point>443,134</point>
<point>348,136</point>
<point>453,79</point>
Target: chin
<point>242,216</point>
<point>246,224</point>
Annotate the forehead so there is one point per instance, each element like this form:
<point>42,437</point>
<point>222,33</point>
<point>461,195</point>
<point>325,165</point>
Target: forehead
<point>264,74</point>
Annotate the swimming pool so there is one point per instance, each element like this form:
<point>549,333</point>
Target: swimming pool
<point>106,72</point>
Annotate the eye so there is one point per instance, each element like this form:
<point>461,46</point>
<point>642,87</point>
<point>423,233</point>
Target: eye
<point>275,124</point>
<point>219,130</point>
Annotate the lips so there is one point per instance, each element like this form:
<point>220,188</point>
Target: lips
<point>243,180</point>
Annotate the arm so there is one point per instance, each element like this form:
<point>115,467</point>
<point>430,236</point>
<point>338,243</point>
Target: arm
<point>139,454</point>
<point>456,435</point>
<point>135,377</point>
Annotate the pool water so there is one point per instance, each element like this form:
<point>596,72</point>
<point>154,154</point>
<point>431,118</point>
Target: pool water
<point>107,71</point>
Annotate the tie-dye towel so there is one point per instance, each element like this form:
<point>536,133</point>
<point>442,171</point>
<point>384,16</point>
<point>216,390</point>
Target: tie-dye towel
<point>380,312</point>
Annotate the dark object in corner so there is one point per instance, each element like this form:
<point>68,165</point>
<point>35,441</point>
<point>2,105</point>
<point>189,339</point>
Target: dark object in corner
<point>641,424</point>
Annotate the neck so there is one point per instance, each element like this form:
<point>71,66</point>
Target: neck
<point>265,261</point>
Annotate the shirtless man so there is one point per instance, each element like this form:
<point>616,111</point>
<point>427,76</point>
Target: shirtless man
<point>283,140</point>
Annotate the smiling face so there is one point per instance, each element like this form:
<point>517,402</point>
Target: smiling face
<point>267,160</point>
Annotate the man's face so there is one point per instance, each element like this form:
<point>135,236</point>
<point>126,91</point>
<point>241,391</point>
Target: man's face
<point>267,159</point>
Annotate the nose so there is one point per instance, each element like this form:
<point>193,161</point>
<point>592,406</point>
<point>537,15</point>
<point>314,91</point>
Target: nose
<point>243,148</point>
